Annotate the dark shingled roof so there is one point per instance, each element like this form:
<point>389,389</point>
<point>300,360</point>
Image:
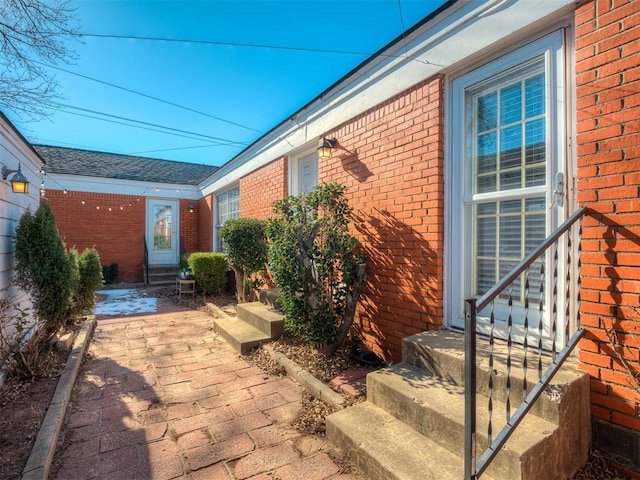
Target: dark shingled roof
<point>72,161</point>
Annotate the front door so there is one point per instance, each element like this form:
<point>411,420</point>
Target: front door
<point>509,185</point>
<point>306,176</point>
<point>162,231</point>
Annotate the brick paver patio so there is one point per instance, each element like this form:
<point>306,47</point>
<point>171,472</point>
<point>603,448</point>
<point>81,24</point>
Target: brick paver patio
<point>160,396</point>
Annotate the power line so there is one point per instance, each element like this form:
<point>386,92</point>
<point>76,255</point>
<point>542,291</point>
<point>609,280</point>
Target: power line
<point>141,127</point>
<point>147,96</point>
<point>222,141</point>
<point>173,149</point>
<point>227,44</point>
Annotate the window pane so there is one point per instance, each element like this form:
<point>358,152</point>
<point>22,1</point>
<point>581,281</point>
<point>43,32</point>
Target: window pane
<point>535,176</point>
<point>486,183</point>
<point>487,112</point>
<point>487,208</point>
<point>536,142</point>
<point>486,237</point>
<point>534,94</point>
<point>485,275</point>
<point>510,180</point>
<point>511,104</point>
<point>487,153</point>
<point>511,147</point>
<point>510,236</point>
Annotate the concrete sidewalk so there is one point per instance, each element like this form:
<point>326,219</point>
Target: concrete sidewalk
<point>160,396</point>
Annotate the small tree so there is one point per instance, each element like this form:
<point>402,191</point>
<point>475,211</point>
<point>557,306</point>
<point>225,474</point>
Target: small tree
<point>90,271</point>
<point>42,266</point>
<point>246,248</point>
<point>316,263</point>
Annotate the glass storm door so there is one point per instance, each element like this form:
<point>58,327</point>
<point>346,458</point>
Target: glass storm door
<point>162,231</point>
<point>511,191</point>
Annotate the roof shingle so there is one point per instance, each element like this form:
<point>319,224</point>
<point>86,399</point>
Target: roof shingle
<point>71,161</point>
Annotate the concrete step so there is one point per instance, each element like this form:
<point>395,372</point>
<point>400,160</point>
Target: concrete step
<point>435,408</point>
<point>270,296</point>
<point>441,353</point>
<point>425,393</point>
<point>262,317</point>
<point>163,274</point>
<point>241,336</point>
<point>388,449</point>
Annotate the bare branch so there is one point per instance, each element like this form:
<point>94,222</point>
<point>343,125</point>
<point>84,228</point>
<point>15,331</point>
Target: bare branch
<point>618,348</point>
<point>33,34</point>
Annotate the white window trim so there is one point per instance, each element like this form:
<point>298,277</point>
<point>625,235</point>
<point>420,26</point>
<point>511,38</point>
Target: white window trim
<point>553,46</point>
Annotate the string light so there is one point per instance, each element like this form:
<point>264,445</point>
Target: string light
<point>112,208</point>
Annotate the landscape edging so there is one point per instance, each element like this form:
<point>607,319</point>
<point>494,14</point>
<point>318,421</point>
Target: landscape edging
<point>39,462</point>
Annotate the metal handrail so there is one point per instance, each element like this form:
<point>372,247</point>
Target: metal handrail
<point>473,468</point>
<point>146,260</point>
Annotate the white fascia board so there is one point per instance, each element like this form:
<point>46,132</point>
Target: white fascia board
<point>82,183</point>
<point>443,44</point>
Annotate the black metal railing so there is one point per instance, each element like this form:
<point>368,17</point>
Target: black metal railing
<point>529,271</point>
<point>146,260</point>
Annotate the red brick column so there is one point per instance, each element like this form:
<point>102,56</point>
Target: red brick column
<point>608,147</point>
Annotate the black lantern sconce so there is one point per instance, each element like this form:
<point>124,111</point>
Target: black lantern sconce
<point>325,146</point>
<point>19,183</point>
<point>191,207</point>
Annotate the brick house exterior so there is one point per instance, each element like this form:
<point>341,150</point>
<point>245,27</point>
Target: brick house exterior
<point>402,130</point>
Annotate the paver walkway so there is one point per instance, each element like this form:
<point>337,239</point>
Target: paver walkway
<point>162,397</point>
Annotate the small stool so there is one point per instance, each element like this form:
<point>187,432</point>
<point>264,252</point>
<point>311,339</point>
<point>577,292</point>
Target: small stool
<point>187,287</point>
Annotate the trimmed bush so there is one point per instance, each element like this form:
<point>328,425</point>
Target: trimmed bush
<point>209,270</point>
<point>90,280</point>
<point>42,266</point>
<point>246,248</point>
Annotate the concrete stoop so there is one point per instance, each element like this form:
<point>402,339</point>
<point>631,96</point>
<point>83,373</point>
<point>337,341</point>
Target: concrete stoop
<point>412,424</point>
<point>255,324</point>
<point>162,274</point>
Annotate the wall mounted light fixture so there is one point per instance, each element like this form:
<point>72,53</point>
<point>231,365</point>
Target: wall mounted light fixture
<point>19,183</point>
<point>325,146</point>
<point>191,207</point>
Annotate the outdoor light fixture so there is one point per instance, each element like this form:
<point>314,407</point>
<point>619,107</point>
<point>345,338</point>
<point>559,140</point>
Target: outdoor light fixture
<point>326,144</point>
<point>191,207</point>
<point>19,183</point>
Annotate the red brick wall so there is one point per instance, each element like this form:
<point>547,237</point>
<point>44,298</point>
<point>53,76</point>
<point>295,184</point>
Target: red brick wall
<point>117,235</point>
<point>189,225</point>
<point>608,146</point>
<point>261,188</point>
<point>204,208</point>
<point>391,159</point>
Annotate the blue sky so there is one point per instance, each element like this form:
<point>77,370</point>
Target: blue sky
<point>216,97</point>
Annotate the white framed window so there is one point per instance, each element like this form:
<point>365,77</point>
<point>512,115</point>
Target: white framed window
<point>507,145</point>
<point>227,207</point>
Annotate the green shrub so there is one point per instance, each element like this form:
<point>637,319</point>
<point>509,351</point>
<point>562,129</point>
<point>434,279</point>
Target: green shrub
<point>74,279</point>
<point>91,280</point>
<point>42,266</point>
<point>209,270</point>
<point>316,263</point>
<point>110,273</point>
<point>246,248</point>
